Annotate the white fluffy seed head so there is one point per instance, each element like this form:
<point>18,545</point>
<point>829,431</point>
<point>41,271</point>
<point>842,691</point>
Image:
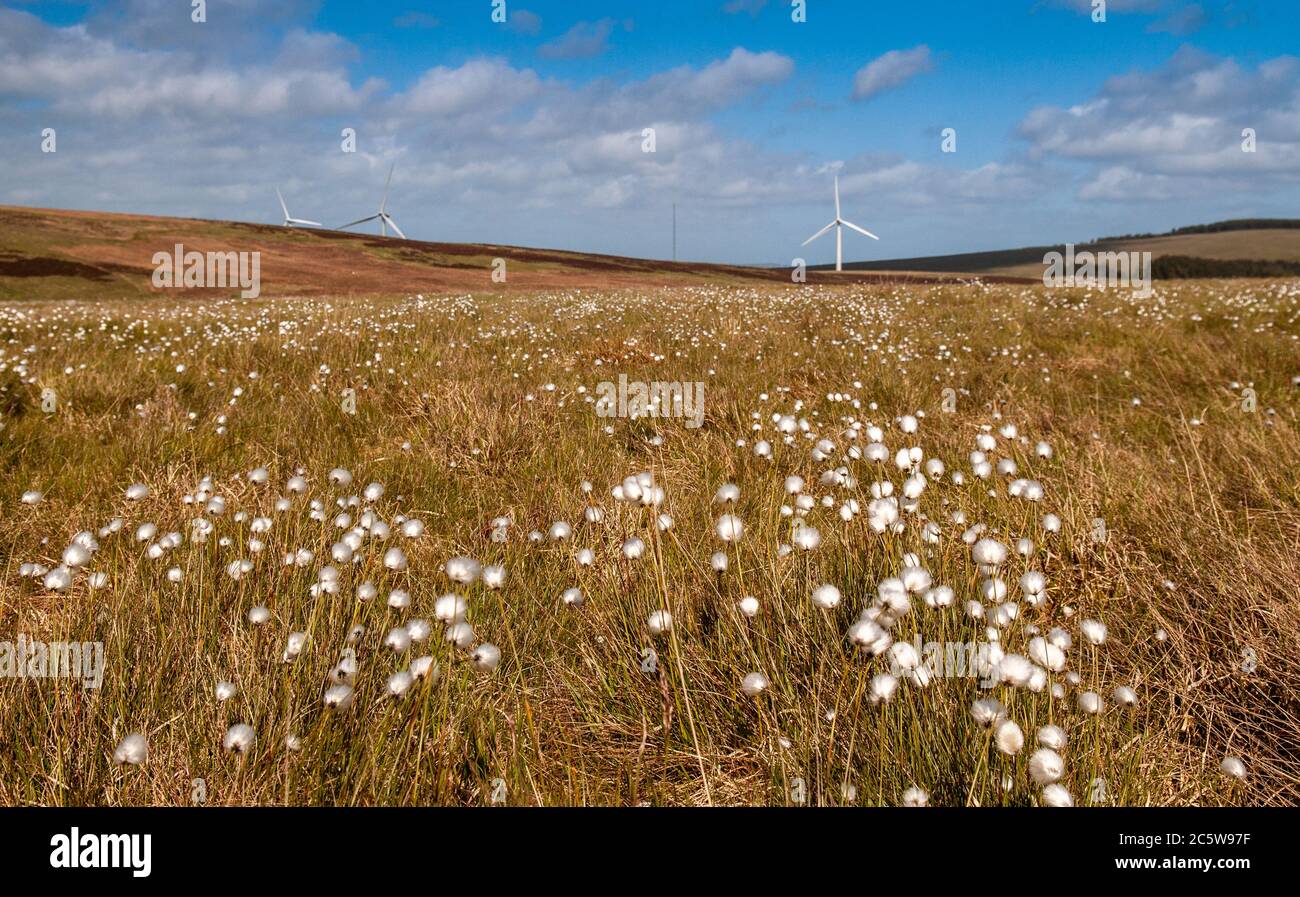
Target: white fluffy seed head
<point>485,657</point>
<point>133,749</point>
<point>826,596</point>
<point>1233,767</point>
<point>659,622</point>
<point>1008,737</point>
<point>754,684</point>
<point>1046,766</point>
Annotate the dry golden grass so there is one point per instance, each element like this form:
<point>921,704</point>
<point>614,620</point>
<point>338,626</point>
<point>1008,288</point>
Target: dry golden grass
<point>1193,490</point>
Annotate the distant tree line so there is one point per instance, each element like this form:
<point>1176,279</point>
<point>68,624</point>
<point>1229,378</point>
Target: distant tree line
<point>1182,267</point>
<point>1219,227</point>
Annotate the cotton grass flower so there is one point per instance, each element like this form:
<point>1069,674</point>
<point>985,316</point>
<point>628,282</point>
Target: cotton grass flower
<point>239,739</point>
<point>806,538</point>
<point>338,697</point>
<point>826,596</point>
<point>133,750</point>
<point>463,570</point>
<point>749,606</point>
<point>1046,654</point>
<point>730,528</point>
<point>450,609</point>
<point>1233,768</point>
<point>1053,737</point>
<point>226,691</point>
<point>425,667</point>
<point>987,712</point>
<point>1094,631</point>
<point>660,622</point>
<point>754,684</point>
<point>728,493</point>
<point>398,639</point>
<point>494,576</point>
<point>882,689</point>
<point>485,657</point>
<point>1008,737</point>
<point>395,559</point>
<point>1046,766</point>
<point>294,645</point>
<point>1090,702</point>
<point>1056,796</point>
<point>989,553</point>
<point>459,634</point>
<point>399,683</point>
<point>915,797</point>
<point>904,656</point>
<point>870,636</point>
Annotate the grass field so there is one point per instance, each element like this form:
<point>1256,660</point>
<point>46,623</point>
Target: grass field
<point>1169,431</point>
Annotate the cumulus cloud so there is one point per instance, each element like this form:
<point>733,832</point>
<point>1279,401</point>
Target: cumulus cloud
<point>490,149</point>
<point>1170,131</point>
<point>584,40</point>
<point>523,21</point>
<point>894,69</point>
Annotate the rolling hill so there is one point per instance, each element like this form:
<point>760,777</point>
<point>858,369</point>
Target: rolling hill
<point>58,254</point>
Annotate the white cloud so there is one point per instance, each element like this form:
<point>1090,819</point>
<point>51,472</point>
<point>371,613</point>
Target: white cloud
<point>894,69</point>
<point>584,40</point>
<point>523,21</point>
<point>1177,130</point>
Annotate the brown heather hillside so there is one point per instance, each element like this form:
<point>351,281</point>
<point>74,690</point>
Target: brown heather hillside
<point>58,254</point>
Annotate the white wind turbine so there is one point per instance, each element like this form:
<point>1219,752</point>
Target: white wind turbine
<point>839,224</point>
<point>385,220</point>
<point>289,220</point>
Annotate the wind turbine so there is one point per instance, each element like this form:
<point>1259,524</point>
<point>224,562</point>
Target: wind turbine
<point>289,220</point>
<point>839,224</point>
<point>385,220</point>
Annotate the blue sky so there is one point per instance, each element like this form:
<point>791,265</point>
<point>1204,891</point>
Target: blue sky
<point>529,132</point>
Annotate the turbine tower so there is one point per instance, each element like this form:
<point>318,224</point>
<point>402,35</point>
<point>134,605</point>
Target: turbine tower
<point>385,220</point>
<point>839,224</point>
<point>289,220</point>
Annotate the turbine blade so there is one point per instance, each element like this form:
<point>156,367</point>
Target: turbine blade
<point>860,230</point>
<point>393,225</point>
<point>384,203</point>
<point>837,196</point>
<point>358,221</point>
<point>304,221</point>
<point>819,233</point>
<point>282,205</point>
